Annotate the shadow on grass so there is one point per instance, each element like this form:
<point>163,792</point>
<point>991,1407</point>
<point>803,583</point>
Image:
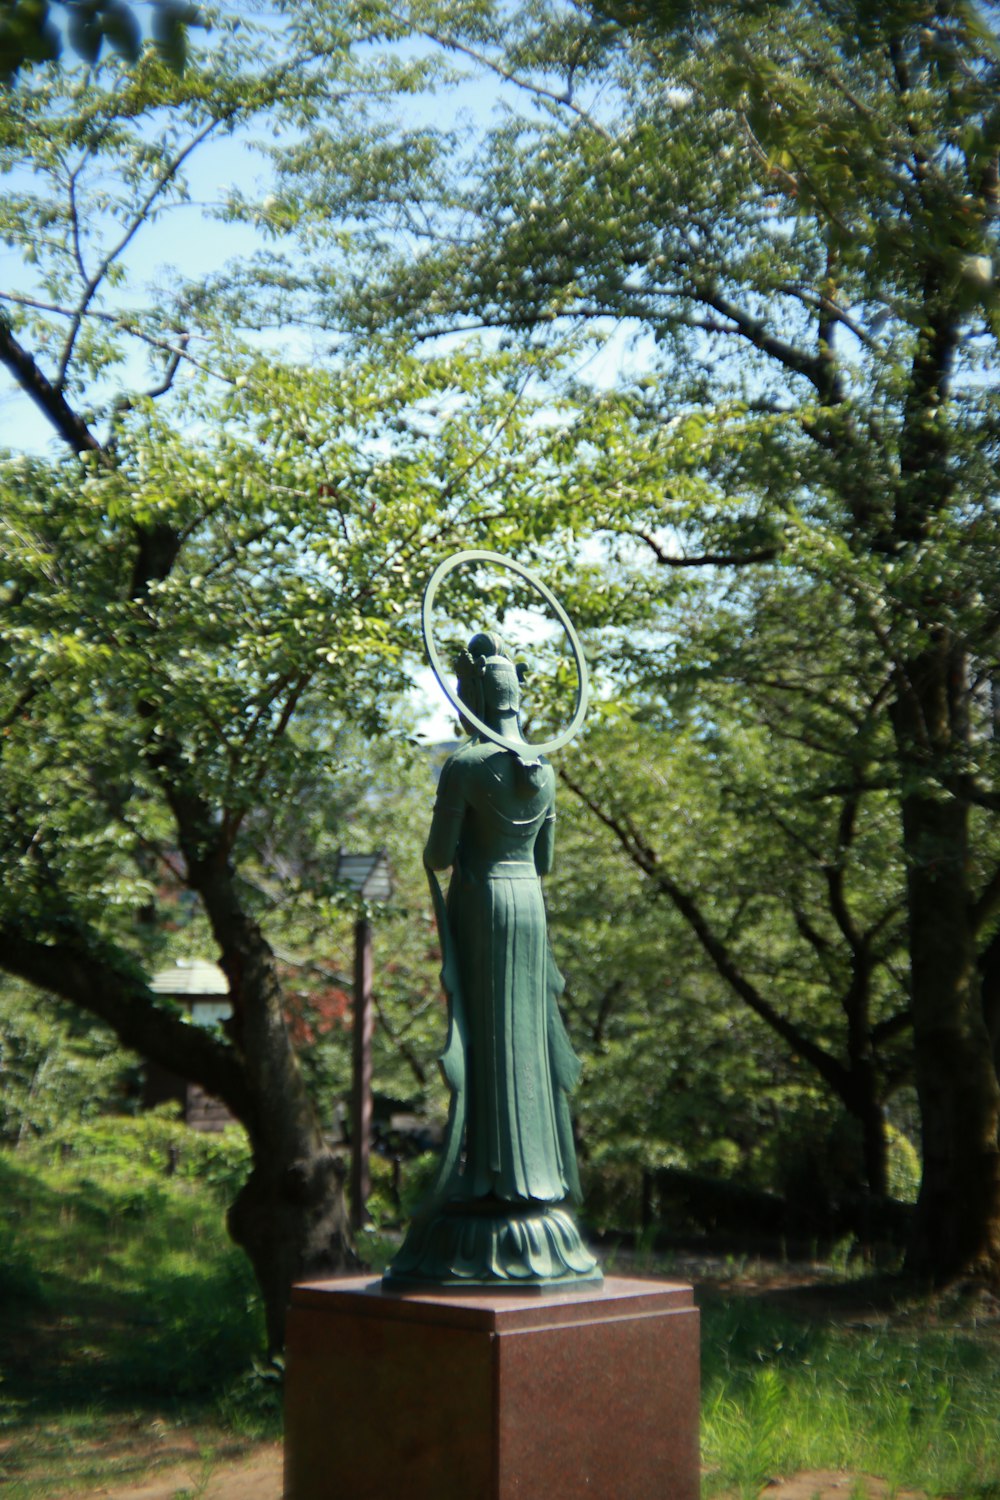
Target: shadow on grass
<point>106,1291</point>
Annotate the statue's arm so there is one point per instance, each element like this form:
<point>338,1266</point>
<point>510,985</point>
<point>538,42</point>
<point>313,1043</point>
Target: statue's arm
<point>446,822</point>
<point>545,843</point>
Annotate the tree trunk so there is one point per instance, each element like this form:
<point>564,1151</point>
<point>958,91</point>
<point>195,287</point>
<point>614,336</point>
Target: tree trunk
<point>290,1219</point>
<point>290,1216</point>
<point>989,980</point>
<point>957,1224</point>
<point>874,1145</point>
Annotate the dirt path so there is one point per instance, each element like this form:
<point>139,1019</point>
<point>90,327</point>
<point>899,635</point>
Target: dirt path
<point>259,1478</point>
<point>255,1478</point>
<point>822,1484</point>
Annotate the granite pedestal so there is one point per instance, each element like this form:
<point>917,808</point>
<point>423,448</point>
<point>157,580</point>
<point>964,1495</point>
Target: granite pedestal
<point>492,1396</point>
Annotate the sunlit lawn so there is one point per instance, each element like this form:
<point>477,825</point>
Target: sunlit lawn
<point>129,1328</point>
<point>911,1395</point>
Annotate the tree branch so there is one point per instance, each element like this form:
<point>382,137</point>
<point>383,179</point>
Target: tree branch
<point>70,427</point>
<point>125,403</point>
<point>834,876</point>
<point>399,1042</point>
<point>705,559</point>
<point>755,331</point>
<point>565,99</point>
<point>124,1002</point>
<point>139,218</point>
<point>604,1009</point>
<point>884,1031</point>
<point>122,322</point>
<point>645,858</point>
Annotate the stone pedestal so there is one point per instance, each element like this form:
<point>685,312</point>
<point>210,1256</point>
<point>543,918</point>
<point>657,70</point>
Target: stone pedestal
<point>492,1396</point>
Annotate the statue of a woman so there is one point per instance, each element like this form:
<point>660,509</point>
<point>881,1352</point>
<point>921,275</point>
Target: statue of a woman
<point>498,1213</point>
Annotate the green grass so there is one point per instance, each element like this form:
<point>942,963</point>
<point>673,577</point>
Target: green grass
<point>129,1327</point>
<point>912,1398</point>
<point>128,1322</point>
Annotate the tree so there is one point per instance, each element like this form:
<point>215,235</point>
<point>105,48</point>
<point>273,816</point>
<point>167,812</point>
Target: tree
<point>184,630</point>
<point>799,203</point>
<point>792,897</point>
<point>101,736</point>
<point>213,583</point>
<point>678,1071</point>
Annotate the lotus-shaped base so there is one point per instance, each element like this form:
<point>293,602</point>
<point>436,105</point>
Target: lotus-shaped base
<point>496,1245</point>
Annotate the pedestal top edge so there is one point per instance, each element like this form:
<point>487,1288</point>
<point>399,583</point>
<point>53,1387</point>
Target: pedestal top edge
<point>617,1297</point>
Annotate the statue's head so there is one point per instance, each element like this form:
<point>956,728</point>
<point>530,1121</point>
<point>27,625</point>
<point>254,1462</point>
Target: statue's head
<point>488,680</point>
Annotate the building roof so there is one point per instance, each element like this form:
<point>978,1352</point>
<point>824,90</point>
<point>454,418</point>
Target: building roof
<point>190,976</point>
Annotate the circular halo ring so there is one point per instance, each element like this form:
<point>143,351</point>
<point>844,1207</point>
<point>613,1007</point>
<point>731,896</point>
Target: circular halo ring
<point>542,747</point>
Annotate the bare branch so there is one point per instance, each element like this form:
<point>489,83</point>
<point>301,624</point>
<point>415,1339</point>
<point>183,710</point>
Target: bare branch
<point>815,939</point>
<point>705,559</point>
<point>604,1009</point>
<point>834,875</point>
<point>126,403</point>
<point>565,99</point>
<point>399,1042</point>
<point>138,219</point>
<point>832,310</point>
<point>755,331</point>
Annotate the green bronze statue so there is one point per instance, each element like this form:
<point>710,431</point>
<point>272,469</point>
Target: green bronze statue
<point>499,1214</point>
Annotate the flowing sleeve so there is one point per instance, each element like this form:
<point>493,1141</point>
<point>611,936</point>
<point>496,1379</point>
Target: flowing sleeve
<point>439,852</point>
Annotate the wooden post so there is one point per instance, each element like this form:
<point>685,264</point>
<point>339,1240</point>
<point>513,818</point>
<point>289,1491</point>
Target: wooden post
<point>361,1077</point>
